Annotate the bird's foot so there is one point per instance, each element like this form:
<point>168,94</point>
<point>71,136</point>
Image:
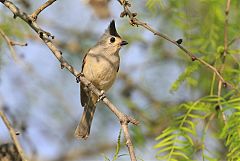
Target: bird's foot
<point>78,77</point>
<point>101,96</point>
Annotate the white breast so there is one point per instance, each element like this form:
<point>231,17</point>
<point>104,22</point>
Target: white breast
<point>101,70</point>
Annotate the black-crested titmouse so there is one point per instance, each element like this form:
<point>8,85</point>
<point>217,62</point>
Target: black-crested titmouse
<point>100,66</point>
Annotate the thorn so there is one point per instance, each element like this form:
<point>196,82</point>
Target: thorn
<point>14,16</point>
<point>60,52</point>
<point>52,36</point>
<point>179,41</point>
<point>2,1</point>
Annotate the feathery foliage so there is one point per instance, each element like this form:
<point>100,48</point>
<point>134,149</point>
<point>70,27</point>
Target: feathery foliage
<point>231,131</point>
<point>198,124</point>
<point>176,142</point>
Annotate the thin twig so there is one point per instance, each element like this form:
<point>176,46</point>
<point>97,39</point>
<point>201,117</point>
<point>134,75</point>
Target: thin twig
<point>9,43</point>
<point>123,118</point>
<point>13,43</point>
<point>13,135</point>
<point>136,22</point>
<point>227,9</point>
<point>14,55</point>
<point>35,14</point>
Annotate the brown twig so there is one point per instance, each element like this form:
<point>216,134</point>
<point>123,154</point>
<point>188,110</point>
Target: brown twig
<point>35,14</point>
<point>14,43</point>
<point>123,118</point>
<point>227,9</point>
<point>14,55</point>
<point>9,43</point>
<point>136,22</point>
<point>13,135</point>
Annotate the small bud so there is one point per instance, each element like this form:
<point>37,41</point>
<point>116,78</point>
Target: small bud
<point>134,14</point>
<point>194,58</point>
<point>2,1</point>
<point>17,133</point>
<point>29,21</point>
<point>62,66</point>
<point>179,41</point>
<point>41,34</point>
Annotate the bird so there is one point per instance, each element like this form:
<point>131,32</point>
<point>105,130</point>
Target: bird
<point>100,66</point>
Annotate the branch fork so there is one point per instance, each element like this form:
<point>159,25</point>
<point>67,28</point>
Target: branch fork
<point>35,14</point>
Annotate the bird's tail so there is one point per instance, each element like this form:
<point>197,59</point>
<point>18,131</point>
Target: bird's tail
<point>83,128</point>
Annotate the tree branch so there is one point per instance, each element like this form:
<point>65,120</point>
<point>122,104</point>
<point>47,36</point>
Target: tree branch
<point>123,118</point>
<point>35,14</point>
<point>136,22</point>
<point>13,135</point>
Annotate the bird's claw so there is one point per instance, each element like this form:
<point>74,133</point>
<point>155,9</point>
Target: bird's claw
<point>101,96</point>
<point>78,77</point>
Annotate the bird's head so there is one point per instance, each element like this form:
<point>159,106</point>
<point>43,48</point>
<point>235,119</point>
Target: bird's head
<point>111,40</point>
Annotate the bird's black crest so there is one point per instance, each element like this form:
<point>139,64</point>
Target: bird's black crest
<point>112,29</point>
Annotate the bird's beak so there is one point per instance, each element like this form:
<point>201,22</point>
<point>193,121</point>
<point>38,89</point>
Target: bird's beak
<point>123,43</point>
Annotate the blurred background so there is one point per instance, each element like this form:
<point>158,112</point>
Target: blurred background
<point>43,101</point>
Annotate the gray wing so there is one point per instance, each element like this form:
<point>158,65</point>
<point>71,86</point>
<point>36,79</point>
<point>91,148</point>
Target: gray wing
<point>84,95</point>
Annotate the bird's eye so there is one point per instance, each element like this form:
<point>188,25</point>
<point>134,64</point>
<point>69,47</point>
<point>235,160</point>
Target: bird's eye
<point>112,39</point>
